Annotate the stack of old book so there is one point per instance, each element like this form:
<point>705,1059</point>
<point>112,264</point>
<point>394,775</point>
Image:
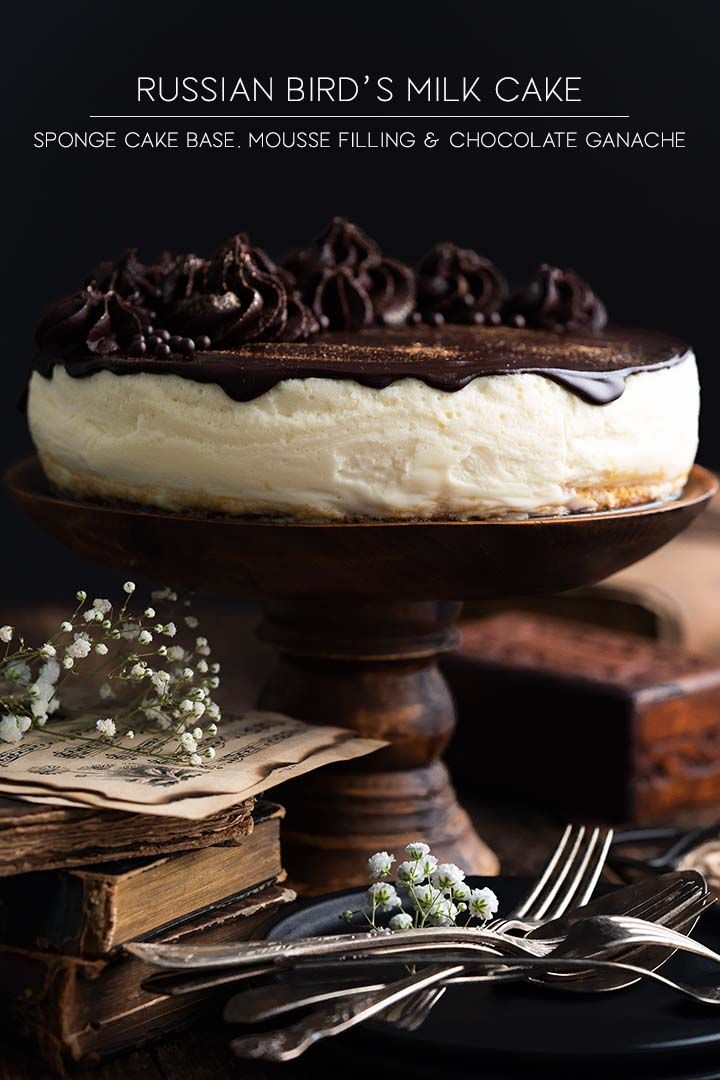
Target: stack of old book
<point>75,885</point>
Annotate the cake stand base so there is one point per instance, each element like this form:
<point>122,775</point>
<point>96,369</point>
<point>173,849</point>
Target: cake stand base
<point>373,668</point>
<point>359,612</point>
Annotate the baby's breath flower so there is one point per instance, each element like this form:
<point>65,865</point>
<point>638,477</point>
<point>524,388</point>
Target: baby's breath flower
<point>442,913</point>
<point>416,849</point>
<point>68,662</point>
<point>66,627</point>
<point>202,666</point>
<point>129,587</point>
<point>79,648</point>
<point>163,650</point>
<point>428,864</point>
<point>103,606</point>
<point>18,671</point>
<point>410,873</point>
<point>160,680</point>
<point>191,621</point>
<point>213,710</point>
<point>188,673</point>
<point>47,650</point>
<point>210,752</point>
<point>175,652</point>
<point>106,691</point>
<point>383,896</point>
<point>213,682</point>
<point>379,864</point>
<point>81,595</point>
<point>101,649</point>
<point>138,671</point>
<point>198,709</point>
<point>106,624</point>
<point>170,629</point>
<point>198,733</point>
<point>461,891</point>
<point>106,727</point>
<point>483,903</point>
<point>144,637</point>
<point>12,728</point>
<point>149,612</point>
<point>188,742</point>
<point>212,729</point>
<point>195,759</point>
<point>447,875</point>
<point>215,668</point>
<point>423,897</point>
<point>186,706</point>
<point>6,633</point>
<point>401,921</point>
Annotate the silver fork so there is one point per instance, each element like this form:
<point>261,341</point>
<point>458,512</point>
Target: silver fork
<point>568,881</point>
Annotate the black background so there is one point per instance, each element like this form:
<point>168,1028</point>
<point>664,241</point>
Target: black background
<point>640,225</point>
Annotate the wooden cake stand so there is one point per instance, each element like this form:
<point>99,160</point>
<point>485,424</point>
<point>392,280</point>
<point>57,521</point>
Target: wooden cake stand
<point>359,614</point>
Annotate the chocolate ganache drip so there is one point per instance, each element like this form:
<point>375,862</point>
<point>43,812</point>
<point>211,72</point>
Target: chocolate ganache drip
<point>239,296</point>
<point>556,300</point>
<point>347,281</point>
<point>456,285</point>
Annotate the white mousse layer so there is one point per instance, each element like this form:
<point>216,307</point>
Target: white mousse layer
<point>327,448</point>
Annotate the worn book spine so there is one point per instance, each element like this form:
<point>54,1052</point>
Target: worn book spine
<point>91,911</point>
<point>78,1010</point>
<point>35,837</point>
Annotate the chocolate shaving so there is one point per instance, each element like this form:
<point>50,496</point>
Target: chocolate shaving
<point>456,285</point>
<point>556,300</point>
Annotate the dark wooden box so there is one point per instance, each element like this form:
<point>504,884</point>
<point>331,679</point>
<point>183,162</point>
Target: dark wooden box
<point>587,720</point>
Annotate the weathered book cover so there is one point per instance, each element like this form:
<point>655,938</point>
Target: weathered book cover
<point>35,837</point>
<point>75,1009</point>
<point>89,911</point>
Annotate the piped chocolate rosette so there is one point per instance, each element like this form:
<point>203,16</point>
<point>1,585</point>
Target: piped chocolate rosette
<point>343,385</point>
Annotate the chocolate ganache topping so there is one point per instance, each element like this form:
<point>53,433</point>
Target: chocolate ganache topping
<point>593,367</point>
<point>457,285</point>
<point>250,320</point>
<point>556,300</point>
<point>238,296</point>
<point>348,283</point>
<point>103,322</point>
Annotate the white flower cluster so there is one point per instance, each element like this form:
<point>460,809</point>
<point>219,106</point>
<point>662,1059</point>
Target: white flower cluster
<point>152,682</point>
<point>434,894</point>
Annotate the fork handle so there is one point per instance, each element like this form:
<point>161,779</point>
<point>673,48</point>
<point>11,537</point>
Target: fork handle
<point>291,1042</point>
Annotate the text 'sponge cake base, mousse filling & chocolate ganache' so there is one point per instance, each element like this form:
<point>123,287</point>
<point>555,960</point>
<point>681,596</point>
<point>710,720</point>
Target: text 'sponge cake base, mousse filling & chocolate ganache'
<point>344,385</point>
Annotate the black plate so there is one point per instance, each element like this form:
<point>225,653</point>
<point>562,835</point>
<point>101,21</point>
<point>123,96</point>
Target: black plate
<point>521,1027</point>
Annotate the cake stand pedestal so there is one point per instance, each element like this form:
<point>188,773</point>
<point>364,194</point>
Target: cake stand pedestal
<point>359,613</point>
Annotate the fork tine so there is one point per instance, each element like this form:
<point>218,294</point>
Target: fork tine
<point>665,905</point>
<point>587,868</point>
<point>594,876</point>
<point>568,839</point>
<point>552,891</point>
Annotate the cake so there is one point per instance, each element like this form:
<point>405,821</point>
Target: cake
<point>345,386</point>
